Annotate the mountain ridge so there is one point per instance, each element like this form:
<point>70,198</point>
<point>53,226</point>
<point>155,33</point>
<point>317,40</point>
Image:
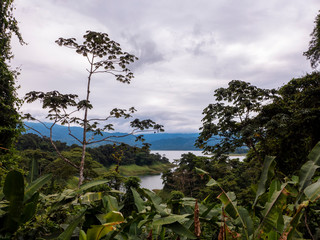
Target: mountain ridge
<point>158,141</point>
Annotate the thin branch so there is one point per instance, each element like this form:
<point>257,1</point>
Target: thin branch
<point>36,130</point>
<point>101,119</point>
<point>57,150</point>
<point>307,226</point>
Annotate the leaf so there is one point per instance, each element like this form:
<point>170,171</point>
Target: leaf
<point>67,234</point>
<point>289,231</point>
<point>267,172</point>
<point>111,203</point>
<point>90,197</point>
<point>201,172</point>
<point>30,208</point>
<point>272,211</point>
<point>35,186</point>
<point>308,169</point>
<point>248,223</point>
<point>138,200</point>
<point>82,235</point>
<point>98,231</point>
<point>179,229</point>
<point>313,191</point>
<point>33,173</point>
<point>91,184</point>
<point>212,182</point>
<point>306,173</point>
<point>13,190</point>
<point>169,219</point>
<point>156,201</point>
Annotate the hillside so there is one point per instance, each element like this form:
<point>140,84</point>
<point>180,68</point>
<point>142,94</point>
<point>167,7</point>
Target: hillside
<point>158,141</point>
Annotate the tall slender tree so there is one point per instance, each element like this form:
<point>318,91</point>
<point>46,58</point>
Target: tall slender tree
<point>103,56</point>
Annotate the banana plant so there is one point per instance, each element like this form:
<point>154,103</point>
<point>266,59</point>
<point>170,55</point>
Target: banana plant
<point>18,203</point>
<point>277,219</point>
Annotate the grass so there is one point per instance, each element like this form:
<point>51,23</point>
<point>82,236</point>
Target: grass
<point>135,170</point>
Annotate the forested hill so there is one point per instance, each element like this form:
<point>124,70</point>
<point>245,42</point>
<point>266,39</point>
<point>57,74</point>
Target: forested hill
<point>158,141</point>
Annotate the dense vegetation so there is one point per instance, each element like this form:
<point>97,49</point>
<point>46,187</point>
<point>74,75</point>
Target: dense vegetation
<point>262,197</point>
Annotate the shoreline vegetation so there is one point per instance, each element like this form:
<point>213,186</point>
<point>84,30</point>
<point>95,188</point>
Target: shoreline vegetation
<point>144,170</point>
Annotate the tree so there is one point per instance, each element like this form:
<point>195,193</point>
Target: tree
<point>104,56</point>
<point>233,122</point>
<point>291,122</point>
<point>313,53</point>
<point>9,102</point>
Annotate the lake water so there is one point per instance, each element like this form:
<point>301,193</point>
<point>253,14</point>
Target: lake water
<point>155,181</point>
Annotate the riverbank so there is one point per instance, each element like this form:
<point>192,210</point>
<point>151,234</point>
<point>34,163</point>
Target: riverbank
<point>136,170</point>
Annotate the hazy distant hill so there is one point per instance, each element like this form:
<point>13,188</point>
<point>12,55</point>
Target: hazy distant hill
<point>158,141</point>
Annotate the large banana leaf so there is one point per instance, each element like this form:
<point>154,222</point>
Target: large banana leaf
<point>13,190</point>
<point>308,169</point>
<point>91,184</point>
<point>138,201</point>
<point>98,231</point>
<point>179,229</point>
<point>228,199</point>
<point>272,211</point>
<point>313,191</point>
<point>35,186</point>
<point>267,172</point>
<point>67,234</point>
<point>290,229</point>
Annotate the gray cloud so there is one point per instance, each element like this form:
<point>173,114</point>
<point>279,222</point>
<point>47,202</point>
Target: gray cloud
<point>186,50</point>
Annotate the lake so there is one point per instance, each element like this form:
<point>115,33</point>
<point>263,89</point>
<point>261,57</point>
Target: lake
<point>155,181</point>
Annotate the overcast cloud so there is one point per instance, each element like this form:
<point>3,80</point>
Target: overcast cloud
<point>186,50</point>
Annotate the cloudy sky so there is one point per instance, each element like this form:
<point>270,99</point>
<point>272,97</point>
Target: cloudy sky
<point>186,50</point>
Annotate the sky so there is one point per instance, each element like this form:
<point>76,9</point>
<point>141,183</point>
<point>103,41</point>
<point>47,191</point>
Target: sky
<point>186,50</point>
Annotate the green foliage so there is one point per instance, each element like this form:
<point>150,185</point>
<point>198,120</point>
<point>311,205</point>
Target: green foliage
<point>19,203</point>
<point>10,124</point>
<point>277,216</point>
<point>234,121</point>
<point>313,53</point>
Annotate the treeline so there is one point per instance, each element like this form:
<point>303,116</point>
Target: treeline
<point>106,155</point>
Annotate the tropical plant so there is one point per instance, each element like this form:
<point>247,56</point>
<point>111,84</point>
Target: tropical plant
<point>276,213</point>
<point>18,204</point>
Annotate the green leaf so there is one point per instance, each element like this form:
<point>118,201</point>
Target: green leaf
<point>212,182</point>
<point>306,173</point>
<point>274,186</point>
<point>267,172</point>
<point>248,223</point>
<point>272,211</point>
<point>98,231</point>
<point>33,173</point>
<point>179,229</point>
<point>67,234</point>
<point>291,228</point>
<point>201,172</point>
<point>308,169</point>
<point>30,208</point>
<point>90,197</point>
<point>314,155</point>
<point>156,201</point>
<point>111,203</point>
<point>82,235</point>
<point>13,190</point>
<point>91,184</point>
<point>169,219</point>
<point>138,200</point>
<point>313,191</point>
<point>35,186</point>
